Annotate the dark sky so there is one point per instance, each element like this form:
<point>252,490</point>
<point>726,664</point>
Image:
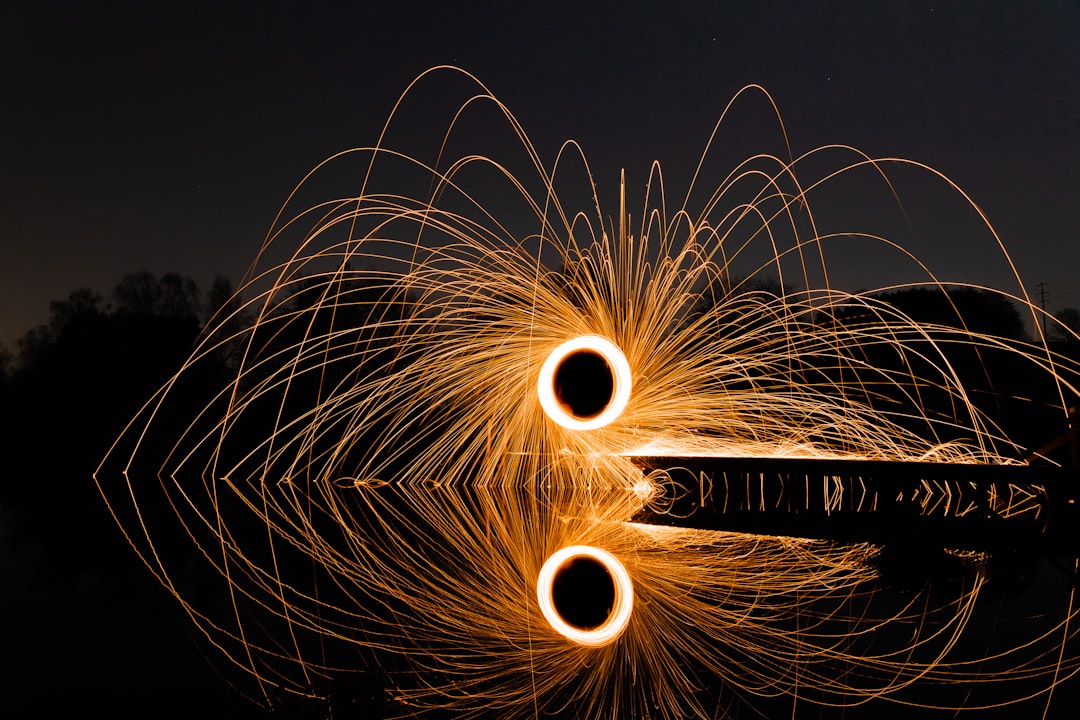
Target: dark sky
<point>164,137</point>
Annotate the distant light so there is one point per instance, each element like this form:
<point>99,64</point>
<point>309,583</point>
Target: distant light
<point>584,383</point>
<point>585,594</point>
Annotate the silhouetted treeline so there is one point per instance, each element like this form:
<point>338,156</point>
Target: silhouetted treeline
<point>77,380</point>
<point>73,593</point>
<point>67,394</point>
<point>1020,401</point>
<point>899,350</point>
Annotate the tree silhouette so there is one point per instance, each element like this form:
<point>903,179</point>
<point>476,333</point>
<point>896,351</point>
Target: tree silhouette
<point>973,309</point>
<point>76,382</point>
<point>79,306</point>
<point>69,577</point>
<point>1003,386</point>
<point>6,359</point>
<point>1069,330</point>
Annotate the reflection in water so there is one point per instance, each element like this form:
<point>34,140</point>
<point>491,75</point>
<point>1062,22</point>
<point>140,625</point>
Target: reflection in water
<point>354,472</point>
<point>960,506</point>
<point>437,586</point>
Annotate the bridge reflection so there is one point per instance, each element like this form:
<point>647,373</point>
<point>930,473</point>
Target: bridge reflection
<point>974,507</point>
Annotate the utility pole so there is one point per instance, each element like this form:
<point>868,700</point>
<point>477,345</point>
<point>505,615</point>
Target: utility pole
<point>1043,294</point>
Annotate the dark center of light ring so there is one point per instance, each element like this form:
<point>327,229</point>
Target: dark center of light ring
<point>583,593</point>
<point>593,385</point>
<point>586,594</point>
<point>584,384</point>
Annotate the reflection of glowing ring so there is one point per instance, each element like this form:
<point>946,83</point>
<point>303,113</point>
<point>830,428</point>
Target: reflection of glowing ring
<point>619,615</point>
<point>617,366</point>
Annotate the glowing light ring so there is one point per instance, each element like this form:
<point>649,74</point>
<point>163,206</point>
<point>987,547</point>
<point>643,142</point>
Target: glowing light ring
<point>620,609</point>
<point>621,377</point>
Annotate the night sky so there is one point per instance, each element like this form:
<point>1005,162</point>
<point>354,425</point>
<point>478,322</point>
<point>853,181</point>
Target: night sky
<point>139,136</point>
